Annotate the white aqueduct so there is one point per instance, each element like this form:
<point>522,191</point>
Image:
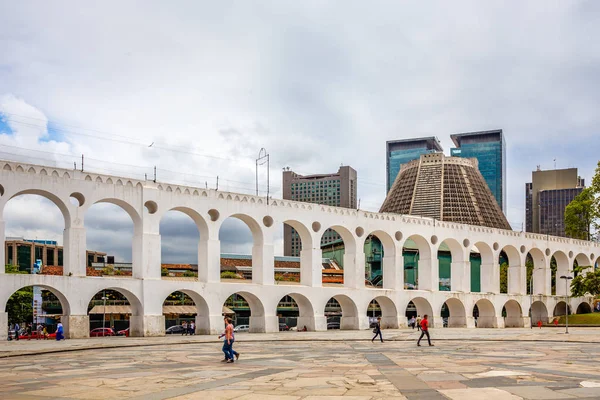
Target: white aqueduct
<point>146,202</point>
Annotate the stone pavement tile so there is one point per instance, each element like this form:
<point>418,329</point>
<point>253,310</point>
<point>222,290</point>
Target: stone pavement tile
<point>262,396</point>
<point>590,384</point>
<point>582,392</point>
<point>495,373</point>
<point>427,394</point>
<point>406,382</point>
<point>213,395</point>
<point>337,398</point>
<point>490,382</point>
<point>535,392</point>
<point>320,391</point>
<point>437,377</point>
<point>486,393</point>
<point>446,385</point>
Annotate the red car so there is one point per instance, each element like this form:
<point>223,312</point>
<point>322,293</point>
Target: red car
<point>34,335</point>
<point>124,332</point>
<point>101,332</point>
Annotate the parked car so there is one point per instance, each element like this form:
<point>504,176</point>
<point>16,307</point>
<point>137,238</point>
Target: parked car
<point>34,335</point>
<point>101,332</point>
<point>242,328</point>
<point>333,325</point>
<point>172,330</point>
<point>283,327</point>
<point>124,332</point>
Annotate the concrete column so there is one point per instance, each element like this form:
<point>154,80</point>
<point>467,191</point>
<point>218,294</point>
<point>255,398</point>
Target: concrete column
<point>436,322</point>
<point>313,323</point>
<point>15,254</point>
<point>146,256</point>
<point>460,276</point>
<point>74,252</point>
<point>459,321</point>
<point>76,326</point>
<point>517,279</point>
<point>209,324</point>
<point>55,258</point>
<point>44,255</point>
<point>3,325</point>
<point>499,322</point>
<point>263,264</point>
<point>32,255</point>
<point>353,323</point>
<point>5,260</point>
<point>428,274</point>
<point>490,278</point>
<point>393,271</point>
<point>264,324</point>
<point>209,260</point>
<point>389,322</point>
<point>402,321</point>
<point>311,268</point>
<point>147,325</point>
<point>542,283</point>
<point>561,290</point>
<point>470,322</point>
<point>354,270</point>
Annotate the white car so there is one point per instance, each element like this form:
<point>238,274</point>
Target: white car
<point>241,328</point>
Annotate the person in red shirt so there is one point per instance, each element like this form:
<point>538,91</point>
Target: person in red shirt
<point>539,324</point>
<point>424,331</point>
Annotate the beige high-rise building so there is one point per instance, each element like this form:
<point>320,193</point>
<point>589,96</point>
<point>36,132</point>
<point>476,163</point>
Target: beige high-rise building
<point>337,190</point>
<point>447,189</point>
<point>547,196</point>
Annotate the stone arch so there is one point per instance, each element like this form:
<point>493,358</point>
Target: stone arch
<point>516,274</point>
<point>257,320</point>
<point>563,267</point>
<point>422,306</point>
<point>457,317</point>
<point>582,260</point>
<point>584,308</point>
<point>301,244</point>
<point>200,222</point>
<point>129,209</point>
<point>306,313</point>
<point>88,178</point>
<point>514,314</point>
<point>389,312</point>
<point>350,316</point>
<point>98,179</point>
<point>7,167</point>
<point>539,312</point>
<point>202,312</point>
<point>560,308</point>
<point>541,283</point>
<point>454,273</point>
<point>136,322</point>
<point>55,174</point>
<point>43,172</point>
<point>109,181</point>
<point>48,195</point>
<point>485,314</point>
<point>31,170</point>
<point>380,259</point>
<point>64,302</point>
<point>20,169</point>
<point>348,251</point>
<point>419,271</point>
<point>488,268</point>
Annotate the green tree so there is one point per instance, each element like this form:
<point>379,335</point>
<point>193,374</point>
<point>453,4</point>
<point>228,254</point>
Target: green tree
<point>580,214</point>
<point>588,283</point>
<point>504,278</point>
<point>20,306</point>
<point>13,269</point>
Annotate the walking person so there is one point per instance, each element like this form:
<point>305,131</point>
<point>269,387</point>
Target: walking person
<point>424,331</point>
<point>39,331</point>
<point>539,323</point>
<point>233,352</point>
<point>228,341</point>
<point>192,328</point>
<point>185,329</point>
<point>412,322</point>
<point>377,330</point>
<point>17,329</point>
<point>418,323</point>
<point>60,332</point>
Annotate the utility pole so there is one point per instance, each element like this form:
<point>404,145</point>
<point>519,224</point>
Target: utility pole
<point>82,163</point>
<point>263,157</point>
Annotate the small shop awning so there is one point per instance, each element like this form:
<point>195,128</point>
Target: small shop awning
<point>166,310</point>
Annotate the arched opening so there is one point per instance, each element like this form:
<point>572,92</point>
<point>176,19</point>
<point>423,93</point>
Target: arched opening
<point>241,249</point>
<point>342,313</point>
<point>584,308</point>
<point>513,315</point>
<point>338,248</point>
<point>454,272</point>
<point>380,254</point>
<point>383,307</point>
<point>33,308</point>
<point>418,308</point>
<point>581,264</point>
<point>484,314</point>
<point>484,269</point>
<point>418,273</point>
<point>297,243</point>
<point>537,272</point>
<point>538,312</point>
<point>295,312</point>
<point>453,314</point>
<point>115,312</point>
<point>512,275</point>
<point>180,243</point>
<point>35,233</point>
<point>563,268</point>
<point>111,226</point>
<point>561,309</point>
<point>186,313</point>
<point>247,312</point>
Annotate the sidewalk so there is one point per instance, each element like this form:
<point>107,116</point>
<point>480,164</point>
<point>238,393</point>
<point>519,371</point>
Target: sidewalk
<point>32,347</point>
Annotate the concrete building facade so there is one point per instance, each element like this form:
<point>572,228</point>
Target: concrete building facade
<point>146,202</point>
<point>547,196</point>
<point>489,149</point>
<point>337,190</point>
<point>400,152</point>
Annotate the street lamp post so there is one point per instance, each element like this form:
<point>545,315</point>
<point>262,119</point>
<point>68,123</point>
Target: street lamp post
<point>531,297</point>
<point>103,312</point>
<point>566,278</point>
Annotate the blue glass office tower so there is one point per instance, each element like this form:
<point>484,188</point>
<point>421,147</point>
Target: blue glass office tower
<point>399,152</point>
<point>489,149</point>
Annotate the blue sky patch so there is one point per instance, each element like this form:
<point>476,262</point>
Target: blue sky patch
<point>4,128</point>
<point>53,133</point>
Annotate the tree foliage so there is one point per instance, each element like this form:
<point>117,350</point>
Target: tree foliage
<point>504,278</point>
<point>580,214</point>
<point>20,306</point>
<point>586,284</point>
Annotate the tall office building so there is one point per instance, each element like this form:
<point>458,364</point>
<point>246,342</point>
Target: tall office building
<point>488,148</point>
<point>337,190</point>
<point>399,152</point>
<point>444,188</point>
<point>547,196</point>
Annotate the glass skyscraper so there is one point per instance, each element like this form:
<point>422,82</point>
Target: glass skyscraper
<point>489,149</point>
<point>399,152</point>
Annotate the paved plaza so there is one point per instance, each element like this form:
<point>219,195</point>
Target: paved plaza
<point>464,364</point>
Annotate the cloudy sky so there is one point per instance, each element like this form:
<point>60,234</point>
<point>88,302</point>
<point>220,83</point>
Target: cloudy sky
<point>316,83</point>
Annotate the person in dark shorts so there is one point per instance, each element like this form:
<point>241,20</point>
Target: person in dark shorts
<point>424,330</point>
